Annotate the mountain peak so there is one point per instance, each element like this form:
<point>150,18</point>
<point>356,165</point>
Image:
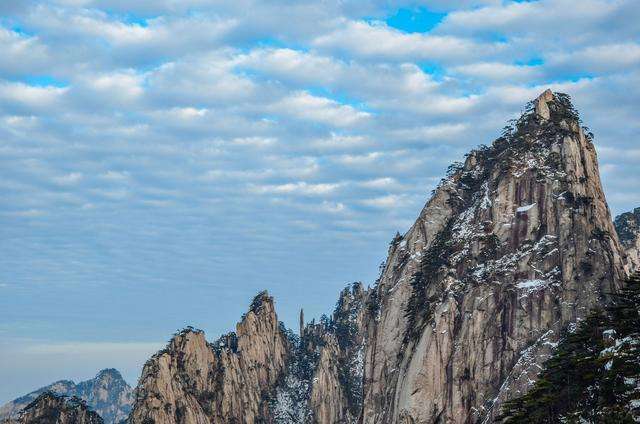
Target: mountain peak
<point>109,372</point>
<point>512,247</point>
<point>107,393</point>
<point>541,107</point>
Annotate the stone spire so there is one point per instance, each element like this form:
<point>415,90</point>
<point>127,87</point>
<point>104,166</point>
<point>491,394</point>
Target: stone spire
<point>542,109</point>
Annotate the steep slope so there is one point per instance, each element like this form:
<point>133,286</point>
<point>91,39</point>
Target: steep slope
<point>229,381</point>
<point>628,229</point>
<point>323,380</point>
<point>513,246</point>
<point>516,245</point>
<point>594,374</point>
<point>49,408</point>
<point>262,372</point>
<point>107,394</point>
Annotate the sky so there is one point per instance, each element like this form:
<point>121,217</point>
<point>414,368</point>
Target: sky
<point>161,161</point>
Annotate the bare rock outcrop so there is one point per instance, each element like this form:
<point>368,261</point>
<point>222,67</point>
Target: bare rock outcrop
<point>514,245</point>
<point>323,382</point>
<point>336,395</point>
<point>628,229</point>
<point>194,382</point>
<point>50,408</point>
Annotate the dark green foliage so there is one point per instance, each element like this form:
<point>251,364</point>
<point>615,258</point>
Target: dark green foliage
<point>600,234</point>
<point>454,168</point>
<point>257,301</point>
<point>345,329</point>
<point>301,366</point>
<point>226,341</point>
<point>563,108</point>
<point>592,374</point>
<point>396,239</point>
<point>554,160</point>
<point>373,301</point>
<point>490,248</point>
<point>49,407</point>
<point>418,312</point>
<point>187,329</point>
<point>627,225</point>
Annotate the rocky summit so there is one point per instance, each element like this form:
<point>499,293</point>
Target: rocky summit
<point>107,394</point>
<point>512,281</point>
<point>515,246</point>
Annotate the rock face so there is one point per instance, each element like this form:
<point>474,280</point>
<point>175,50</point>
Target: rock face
<point>107,394</point>
<point>323,379</point>
<point>515,244</point>
<point>262,373</point>
<point>49,408</point>
<point>593,375</point>
<point>230,381</point>
<point>628,229</point>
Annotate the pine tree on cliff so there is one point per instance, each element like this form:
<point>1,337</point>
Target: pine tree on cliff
<point>594,373</point>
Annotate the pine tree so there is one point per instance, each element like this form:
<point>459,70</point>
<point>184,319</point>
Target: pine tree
<point>594,373</point>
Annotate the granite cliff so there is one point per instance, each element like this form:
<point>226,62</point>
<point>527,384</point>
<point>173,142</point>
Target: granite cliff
<point>515,246</point>
<point>262,372</point>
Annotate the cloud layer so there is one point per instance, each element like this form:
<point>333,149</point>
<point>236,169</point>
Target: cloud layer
<point>162,161</point>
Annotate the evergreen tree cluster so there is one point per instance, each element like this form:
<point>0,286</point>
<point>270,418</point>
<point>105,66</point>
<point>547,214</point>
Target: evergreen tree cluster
<point>419,307</point>
<point>594,375</point>
<point>344,326</point>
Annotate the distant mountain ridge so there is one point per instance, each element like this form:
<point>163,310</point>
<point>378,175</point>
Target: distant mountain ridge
<point>50,408</point>
<point>107,394</point>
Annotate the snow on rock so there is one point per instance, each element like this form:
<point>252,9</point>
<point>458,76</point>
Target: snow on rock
<point>525,208</point>
<point>531,284</point>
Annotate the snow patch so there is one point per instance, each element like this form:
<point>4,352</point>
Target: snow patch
<point>530,284</point>
<point>525,208</point>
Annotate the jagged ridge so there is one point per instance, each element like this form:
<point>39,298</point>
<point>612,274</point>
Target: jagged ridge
<point>50,408</point>
<point>107,394</point>
<point>515,245</point>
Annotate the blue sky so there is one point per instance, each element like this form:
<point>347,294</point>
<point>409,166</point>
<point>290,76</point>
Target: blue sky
<point>164,160</point>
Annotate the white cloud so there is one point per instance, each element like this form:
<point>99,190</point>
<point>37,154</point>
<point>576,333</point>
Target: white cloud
<point>27,54</point>
<point>387,183</point>
<point>69,179</point>
<point>383,202</point>
<point>305,106</point>
<point>377,40</point>
<point>300,187</point>
<point>599,58</point>
<point>500,72</point>
<point>27,99</point>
